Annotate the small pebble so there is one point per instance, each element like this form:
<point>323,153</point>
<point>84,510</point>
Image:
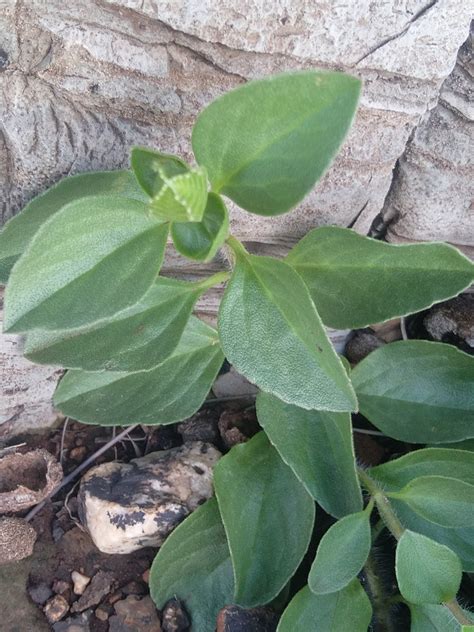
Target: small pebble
<point>175,618</point>
<point>360,343</point>
<point>60,587</point>
<point>40,593</point>
<point>78,454</point>
<point>80,582</point>
<point>101,614</point>
<point>56,608</point>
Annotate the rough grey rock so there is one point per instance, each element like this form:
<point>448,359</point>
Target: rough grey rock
<point>175,617</point>
<point>431,196</point>
<point>129,506</point>
<point>453,321</point>
<point>360,343</point>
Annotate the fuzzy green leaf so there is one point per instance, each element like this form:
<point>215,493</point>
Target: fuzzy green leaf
<point>271,332</point>
<point>445,501</point>
<point>341,554</point>
<point>170,392</point>
<point>201,240</point>
<point>194,565</point>
<point>182,198</point>
<point>135,339</point>
<point>418,391</point>
<point>375,281</point>
<point>93,258</point>
<point>18,232</point>
<point>427,572</point>
<point>268,517</point>
<point>348,609</point>
<point>318,447</point>
<point>151,167</point>
<point>431,618</point>
<point>266,143</point>
<point>457,464</point>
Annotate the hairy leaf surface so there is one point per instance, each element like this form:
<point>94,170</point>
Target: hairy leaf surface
<point>268,517</point>
<point>18,232</point>
<point>93,258</point>
<point>427,572</point>
<point>266,143</point>
<point>375,281</point>
<point>152,167</point>
<point>136,339</point>
<point>348,609</point>
<point>445,501</point>
<point>430,618</point>
<point>418,391</point>
<point>271,332</point>
<point>341,554</point>
<point>318,447</point>
<point>201,240</point>
<point>194,565</point>
<point>449,462</point>
<point>170,392</point>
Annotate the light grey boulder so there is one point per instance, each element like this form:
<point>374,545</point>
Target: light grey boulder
<point>128,506</point>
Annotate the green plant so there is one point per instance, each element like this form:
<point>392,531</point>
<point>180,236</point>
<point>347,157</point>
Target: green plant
<point>82,264</point>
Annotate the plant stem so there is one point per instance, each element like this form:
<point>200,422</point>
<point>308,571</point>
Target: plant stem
<point>396,529</point>
<point>383,504</point>
<point>457,612</point>
<point>380,600</point>
<point>215,279</point>
<point>236,245</point>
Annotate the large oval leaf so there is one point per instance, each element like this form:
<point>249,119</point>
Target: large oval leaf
<point>170,392</point>
<point>445,501</point>
<point>194,565</point>
<point>136,339</point>
<point>318,447</point>
<point>375,281</point>
<point>18,232</point>
<point>271,332</point>
<point>348,609</point>
<point>427,572</point>
<point>201,240</point>
<point>268,517</point>
<point>428,462</point>
<point>266,143</point>
<point>341,554</point>
<point>88,261</point>
<point>418,391</point>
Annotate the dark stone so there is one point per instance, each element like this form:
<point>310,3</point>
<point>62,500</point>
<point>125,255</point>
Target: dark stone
<point>100,586</point>
<point>237,427</point>
<point>360,343</point>
<point>237,619</point>
<point>175,618</point>
<point>3,59</point>
<point>201,427</point>
<point>40,593</point>
<point>452,322</point>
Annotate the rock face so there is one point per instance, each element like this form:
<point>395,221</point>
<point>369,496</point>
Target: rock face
<point>126,507</point>
<point>431,197</point>
<point>81,82</point>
